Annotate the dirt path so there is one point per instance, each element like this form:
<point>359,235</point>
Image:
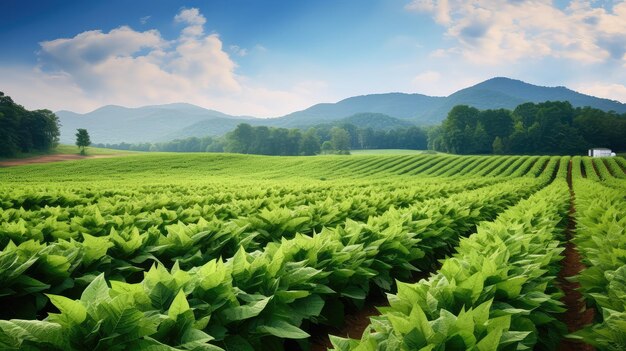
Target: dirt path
<point>577,314</point>
<point>48,158</point>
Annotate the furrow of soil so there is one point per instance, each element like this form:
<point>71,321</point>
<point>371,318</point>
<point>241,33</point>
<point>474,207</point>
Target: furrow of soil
<point>577,315</point>
<point>357,320</point>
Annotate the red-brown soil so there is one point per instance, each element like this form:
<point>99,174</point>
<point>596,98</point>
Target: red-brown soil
<point>577,315</point>
<point>47,159</point>
<point>355,322</point>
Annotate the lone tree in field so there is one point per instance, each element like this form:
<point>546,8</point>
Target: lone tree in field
<point>82,140</point>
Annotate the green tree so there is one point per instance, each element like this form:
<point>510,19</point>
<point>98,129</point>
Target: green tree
<point>310,143</point>
<point>481,140</point>
<point>82,140</point>
<point>23,131</point>
<point>496,123</point>
<point>458,129</point>
<point>240,140</point>
<point>497,146</point>
<point>327,147</point>
<point>340,139</point>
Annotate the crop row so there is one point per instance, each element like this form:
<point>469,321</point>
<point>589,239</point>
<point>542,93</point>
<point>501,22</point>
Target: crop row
<point>254,299</point>
<point>496,293</point>
<point>429,165</point>
<point>263,213</point>
<point>601,241</point>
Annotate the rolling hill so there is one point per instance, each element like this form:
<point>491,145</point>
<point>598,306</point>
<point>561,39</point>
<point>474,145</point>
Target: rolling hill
<point>114,124</point>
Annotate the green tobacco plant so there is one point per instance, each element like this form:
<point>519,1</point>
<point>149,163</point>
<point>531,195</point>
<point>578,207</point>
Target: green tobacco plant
<point>496,293</point>
<point>600,223</point>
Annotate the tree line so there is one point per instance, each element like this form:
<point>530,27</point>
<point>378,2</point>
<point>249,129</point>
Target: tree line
<point>24,131</point>
<point>261,140</point>
<point>552,127</point>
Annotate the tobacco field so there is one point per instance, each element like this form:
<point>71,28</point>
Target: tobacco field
<point>240,252</point>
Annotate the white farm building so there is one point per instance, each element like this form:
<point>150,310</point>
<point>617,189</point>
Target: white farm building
<point>601,152</point>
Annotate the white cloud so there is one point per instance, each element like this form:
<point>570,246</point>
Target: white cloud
<point>501,31</point>
<point>134,68</point>
<point>440,9</point>
<point>144,19</point>
<point>605,90</point>
<point>190,16</point>
<point>194,19</point>
<point>84,56</point>
<point>37,90</point>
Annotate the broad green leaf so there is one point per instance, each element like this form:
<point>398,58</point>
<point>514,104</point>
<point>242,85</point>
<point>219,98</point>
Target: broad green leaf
<point>40,332</point>
<point>74,311</point>
<point>246,311</point>
<point>490,342</point>
<point>283,329</point>
<point>178,306</point>
<point>95,293</point>
<point>95,248</point>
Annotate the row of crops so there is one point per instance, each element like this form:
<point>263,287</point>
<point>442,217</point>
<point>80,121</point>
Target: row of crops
<point>231,252</point>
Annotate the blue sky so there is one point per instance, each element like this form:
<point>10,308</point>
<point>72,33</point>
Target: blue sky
<point>268,58</point>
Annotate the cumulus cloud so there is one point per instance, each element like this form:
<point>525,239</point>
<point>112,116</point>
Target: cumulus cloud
<point>86,56</point>
<point>495,31</point>
<point>134,68</point>
<point>124,63</point>
<point>194,19</point>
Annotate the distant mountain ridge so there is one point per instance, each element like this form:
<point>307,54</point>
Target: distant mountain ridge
<point>114,124</point>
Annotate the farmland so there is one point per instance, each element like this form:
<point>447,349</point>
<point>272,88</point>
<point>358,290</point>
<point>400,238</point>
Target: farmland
<point>240,252</point>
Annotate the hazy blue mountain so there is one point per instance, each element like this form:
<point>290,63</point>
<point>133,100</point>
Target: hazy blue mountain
<point>427,110</point>
<point>508,93</point>
<point>206,127</point>
<point>114,124</point>
<point>398,105</point>
<point>376,121</point>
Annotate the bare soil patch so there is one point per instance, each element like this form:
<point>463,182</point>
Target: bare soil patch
<point>48,159</point>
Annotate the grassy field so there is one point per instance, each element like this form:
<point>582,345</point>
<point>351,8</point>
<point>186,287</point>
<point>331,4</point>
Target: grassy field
<point>240,252</point>
<point>71,150</point>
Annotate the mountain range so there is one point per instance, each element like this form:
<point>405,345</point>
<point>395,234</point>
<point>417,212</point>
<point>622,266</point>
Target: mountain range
<point>115,124</point>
